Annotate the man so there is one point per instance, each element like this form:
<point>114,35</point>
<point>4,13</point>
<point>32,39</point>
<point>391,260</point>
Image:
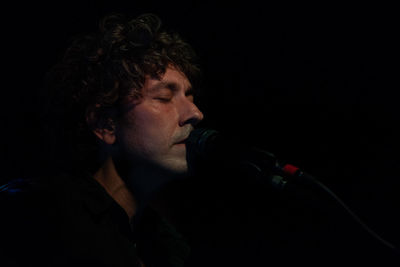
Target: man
<point>117,111</point>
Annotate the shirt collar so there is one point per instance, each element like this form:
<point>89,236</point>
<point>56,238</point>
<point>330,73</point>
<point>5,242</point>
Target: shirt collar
<point>101,205</point>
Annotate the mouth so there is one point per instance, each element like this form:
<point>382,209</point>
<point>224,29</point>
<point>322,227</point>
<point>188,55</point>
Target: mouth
<point>181,142</point>
<point>183,138</point>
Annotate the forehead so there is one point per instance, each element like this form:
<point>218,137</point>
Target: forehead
<point>172,79</point>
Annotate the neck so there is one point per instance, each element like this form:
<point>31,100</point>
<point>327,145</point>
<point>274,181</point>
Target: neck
<point>132,186</point>
<point>143,178</point>
<point>115,186</point>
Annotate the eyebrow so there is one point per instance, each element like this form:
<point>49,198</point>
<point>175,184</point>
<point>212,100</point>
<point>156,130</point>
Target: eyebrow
<point>173,86</point>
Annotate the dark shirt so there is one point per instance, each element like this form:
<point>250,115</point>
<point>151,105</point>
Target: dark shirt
<point>73,221</point>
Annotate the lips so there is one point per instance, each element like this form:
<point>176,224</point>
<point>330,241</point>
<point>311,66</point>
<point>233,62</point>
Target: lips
<point>182,141</point>
<point>184,136</point>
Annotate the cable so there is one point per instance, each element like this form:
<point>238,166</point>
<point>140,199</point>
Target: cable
<point>292,172</point>
<point>352,214</point>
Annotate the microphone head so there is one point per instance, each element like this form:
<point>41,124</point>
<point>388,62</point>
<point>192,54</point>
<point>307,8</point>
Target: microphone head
<point>208,149</point>
<point>197,146</point>
<point>200,141</point>
<point>208,145</point>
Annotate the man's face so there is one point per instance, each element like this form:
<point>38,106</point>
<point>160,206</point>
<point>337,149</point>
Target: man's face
<point>156,127</point>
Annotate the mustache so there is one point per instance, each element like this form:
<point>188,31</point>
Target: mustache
<point>183,135</point>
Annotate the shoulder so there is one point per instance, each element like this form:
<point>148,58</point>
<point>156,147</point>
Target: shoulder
<point>27,195</point>
<point>156,236</point>
<point>33,216</point>
<point>25,199</point>
<point>21,205</point>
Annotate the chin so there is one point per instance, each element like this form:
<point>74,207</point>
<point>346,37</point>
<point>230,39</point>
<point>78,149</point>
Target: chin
<point>176,166</point>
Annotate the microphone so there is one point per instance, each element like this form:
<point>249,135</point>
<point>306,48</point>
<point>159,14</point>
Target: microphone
<point>208,145</point>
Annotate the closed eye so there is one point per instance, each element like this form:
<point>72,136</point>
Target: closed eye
<point>163,99</point>
<point>190,94</point>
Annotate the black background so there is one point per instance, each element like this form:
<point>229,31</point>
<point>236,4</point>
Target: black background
<point>314,84</point>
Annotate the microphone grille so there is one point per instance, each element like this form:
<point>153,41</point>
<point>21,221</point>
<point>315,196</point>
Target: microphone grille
<point>199,140</point>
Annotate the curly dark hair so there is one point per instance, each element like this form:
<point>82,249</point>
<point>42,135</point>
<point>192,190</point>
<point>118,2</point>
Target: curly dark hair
<point>96,73</point>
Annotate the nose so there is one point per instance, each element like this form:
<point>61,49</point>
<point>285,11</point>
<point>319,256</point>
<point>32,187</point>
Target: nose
<point>191,114</point>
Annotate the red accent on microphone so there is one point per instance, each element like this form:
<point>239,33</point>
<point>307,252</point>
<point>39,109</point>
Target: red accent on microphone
<point>290,169</point>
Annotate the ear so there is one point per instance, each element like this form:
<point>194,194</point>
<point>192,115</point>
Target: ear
<point>108,136</point>
<point>103,128</point>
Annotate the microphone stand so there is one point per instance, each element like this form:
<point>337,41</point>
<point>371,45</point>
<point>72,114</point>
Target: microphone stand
<point>283,174</point>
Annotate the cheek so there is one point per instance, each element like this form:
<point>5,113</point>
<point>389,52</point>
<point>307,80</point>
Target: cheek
<point>148,129</point>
